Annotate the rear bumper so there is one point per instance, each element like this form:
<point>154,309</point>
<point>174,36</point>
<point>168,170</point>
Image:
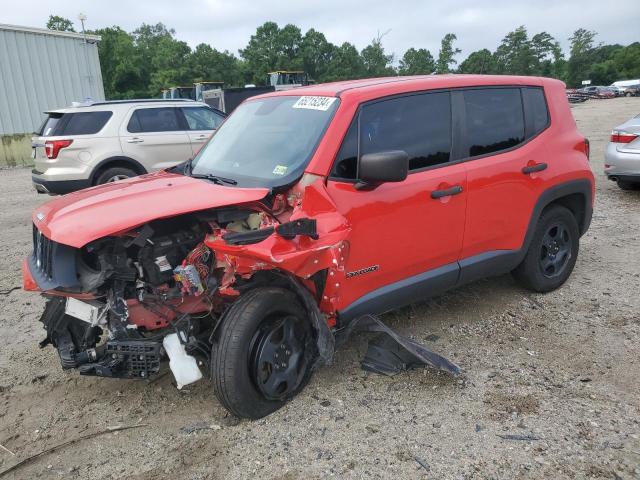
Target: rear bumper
<point>57,187</point>
<point>621,164</point>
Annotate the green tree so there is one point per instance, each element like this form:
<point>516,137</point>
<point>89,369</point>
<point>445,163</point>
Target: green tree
<point>447,53</point>
<point>580,60</point>
<point>376,62</point>
<point>121,73</point>
<point>209,64</point>
<point>480,61</point>
<point>272,48</point>
<point>515,55</point>
<point>417,62</point>
<point>316,53</point>
<point>346,63</point>
<point>57,22</point>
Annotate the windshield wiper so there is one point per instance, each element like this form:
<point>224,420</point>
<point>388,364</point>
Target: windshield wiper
<point>215,178</point>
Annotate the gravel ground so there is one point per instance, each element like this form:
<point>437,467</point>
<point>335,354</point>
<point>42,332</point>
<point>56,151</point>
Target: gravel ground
<point>550,390</point>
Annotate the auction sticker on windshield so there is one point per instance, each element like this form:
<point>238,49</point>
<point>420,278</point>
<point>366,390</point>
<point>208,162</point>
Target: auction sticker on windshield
<point>314,103</point>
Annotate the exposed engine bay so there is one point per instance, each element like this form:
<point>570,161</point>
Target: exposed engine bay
<point>161,279</point>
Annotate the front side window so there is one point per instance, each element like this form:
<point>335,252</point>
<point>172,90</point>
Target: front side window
<point>202,118</point>
<point>493,120</point>
<point>418,124</point>
<point>267,142</point>
<point>154,120</point>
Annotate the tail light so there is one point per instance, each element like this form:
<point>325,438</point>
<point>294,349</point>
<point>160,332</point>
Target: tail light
<point>619,136</point>
<point>53,147</point>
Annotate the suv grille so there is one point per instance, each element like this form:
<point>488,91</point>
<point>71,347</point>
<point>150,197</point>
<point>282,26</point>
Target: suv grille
<point>43,253</point>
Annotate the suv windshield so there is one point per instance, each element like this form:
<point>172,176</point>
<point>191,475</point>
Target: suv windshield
<point>267,142</point>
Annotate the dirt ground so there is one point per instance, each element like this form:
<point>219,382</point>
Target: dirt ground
<point>551,386</point>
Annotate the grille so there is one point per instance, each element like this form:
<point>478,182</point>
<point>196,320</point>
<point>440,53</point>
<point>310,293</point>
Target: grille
<point>43,253</point>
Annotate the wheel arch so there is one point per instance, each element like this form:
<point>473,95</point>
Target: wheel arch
<point>575,195</point>
<point>117,161</point>
<point>325,340</point>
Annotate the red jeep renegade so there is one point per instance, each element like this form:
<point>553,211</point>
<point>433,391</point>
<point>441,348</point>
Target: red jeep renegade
<point>308,213</point>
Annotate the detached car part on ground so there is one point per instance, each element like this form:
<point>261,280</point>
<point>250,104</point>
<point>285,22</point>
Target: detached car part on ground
<point>301,220</point>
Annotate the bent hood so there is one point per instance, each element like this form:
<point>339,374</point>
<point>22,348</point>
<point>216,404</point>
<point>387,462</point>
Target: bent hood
<point>81,217</point>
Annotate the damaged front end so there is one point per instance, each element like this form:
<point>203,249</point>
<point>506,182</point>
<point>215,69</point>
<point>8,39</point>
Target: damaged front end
<point>121,304</point>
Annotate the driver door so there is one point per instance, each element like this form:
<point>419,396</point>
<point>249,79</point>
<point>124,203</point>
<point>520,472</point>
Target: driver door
<point>411,232</point>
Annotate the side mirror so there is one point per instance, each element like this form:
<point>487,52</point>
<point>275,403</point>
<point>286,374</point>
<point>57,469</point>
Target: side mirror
<point>382,167</point>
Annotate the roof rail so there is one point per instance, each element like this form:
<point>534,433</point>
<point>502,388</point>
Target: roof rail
<point>142,100</point>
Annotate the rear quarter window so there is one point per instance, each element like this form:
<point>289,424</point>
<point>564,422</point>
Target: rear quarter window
<point>86,123</point>
<point>81,123</point>
<point>535,109</point>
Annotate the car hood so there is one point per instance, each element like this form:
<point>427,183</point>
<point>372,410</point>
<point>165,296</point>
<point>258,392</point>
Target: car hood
<point>78,218</point>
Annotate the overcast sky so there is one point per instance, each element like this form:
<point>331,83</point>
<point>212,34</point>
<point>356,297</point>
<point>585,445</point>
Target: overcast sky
<point>228,24</point>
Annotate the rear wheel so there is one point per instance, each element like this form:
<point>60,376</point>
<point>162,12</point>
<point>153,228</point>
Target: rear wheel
<point>264,353</point>
<point>552,253</point>
<point>626,185</point>
<point>114,174</point>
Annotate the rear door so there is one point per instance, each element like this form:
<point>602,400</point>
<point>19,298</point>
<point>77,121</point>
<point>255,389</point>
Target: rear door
<point>201,122</point>
<point>505,162</point>
<point>407,232</point>
<point>156,137</point>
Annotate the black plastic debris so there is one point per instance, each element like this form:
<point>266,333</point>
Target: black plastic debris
<point>390,353</point>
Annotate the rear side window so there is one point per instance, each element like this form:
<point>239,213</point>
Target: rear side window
<point>494,120</point>
<point>154,120</point>
<point>535,108</point>
<point>201,118</point>
<point>82,123</point>
<point>418,124</point>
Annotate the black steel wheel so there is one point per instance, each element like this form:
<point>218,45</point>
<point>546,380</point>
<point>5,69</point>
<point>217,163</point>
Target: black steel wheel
<point>264,352</point>
<point>552,252</point>
<point>278,361</point>
<point>555,251</point>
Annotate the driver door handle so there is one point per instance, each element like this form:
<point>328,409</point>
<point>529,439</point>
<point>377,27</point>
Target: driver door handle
<point>538,167</point>
<point>135,140</point>
<point>455,190</point>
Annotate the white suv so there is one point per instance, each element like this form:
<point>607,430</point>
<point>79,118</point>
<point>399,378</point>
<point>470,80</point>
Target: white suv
<point>102,142</point>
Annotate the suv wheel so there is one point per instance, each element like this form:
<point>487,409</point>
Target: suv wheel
<point>552,253</point>
<point>264,353</point>
<point>114,174</point>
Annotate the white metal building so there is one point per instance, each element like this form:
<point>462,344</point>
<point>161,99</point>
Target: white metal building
<point>40,70</point>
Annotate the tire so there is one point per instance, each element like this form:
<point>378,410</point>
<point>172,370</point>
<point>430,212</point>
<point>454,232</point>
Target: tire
<point>547,265</point>
<point>626,185</point>
<point>114,174</point>
<point>244,371</point>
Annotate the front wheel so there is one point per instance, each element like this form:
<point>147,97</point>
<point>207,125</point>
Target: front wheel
<point>552,253</point>
<point>264,353</point>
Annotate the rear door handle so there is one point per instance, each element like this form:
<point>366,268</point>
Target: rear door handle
<point>455,190</point>
<point>202,137</point>
<point>538,167</point>
<point>135,140</point>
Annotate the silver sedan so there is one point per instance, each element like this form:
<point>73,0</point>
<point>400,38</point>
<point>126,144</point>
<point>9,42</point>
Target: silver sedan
<point>622,157</point>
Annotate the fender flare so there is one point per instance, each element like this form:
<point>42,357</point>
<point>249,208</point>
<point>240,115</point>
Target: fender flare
<point>137,166</point>
<point>582,186</point>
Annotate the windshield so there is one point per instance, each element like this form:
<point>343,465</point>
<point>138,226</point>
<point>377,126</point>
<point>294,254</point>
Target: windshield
<point>267,142</point>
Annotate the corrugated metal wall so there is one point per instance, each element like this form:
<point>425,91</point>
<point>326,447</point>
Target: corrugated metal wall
<point>41,71</point>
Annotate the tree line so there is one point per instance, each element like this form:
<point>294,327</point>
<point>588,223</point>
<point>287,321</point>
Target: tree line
<point>140,63</point>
